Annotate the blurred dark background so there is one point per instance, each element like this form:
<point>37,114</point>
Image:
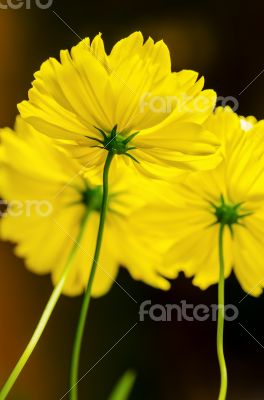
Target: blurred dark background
<point>176,360</point>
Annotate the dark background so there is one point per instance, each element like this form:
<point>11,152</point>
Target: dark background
<point>176,360</point>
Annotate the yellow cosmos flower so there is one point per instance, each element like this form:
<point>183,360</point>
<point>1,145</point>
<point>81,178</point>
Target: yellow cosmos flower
<point>128,102</point>
<point>47,204</point>
<point>233,195</point>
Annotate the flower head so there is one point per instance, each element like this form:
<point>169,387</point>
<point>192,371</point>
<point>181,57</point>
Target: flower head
<point>48,203</point>
<point>231,195</point>
<point>128,102</point>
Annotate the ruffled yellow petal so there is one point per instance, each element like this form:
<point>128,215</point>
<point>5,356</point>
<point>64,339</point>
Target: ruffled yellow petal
<point>123,49</point>
<point>182,145</point>
<point>133,88</point>
<point>239,180</point>
<point>196,253</point>
<point>248,255</point>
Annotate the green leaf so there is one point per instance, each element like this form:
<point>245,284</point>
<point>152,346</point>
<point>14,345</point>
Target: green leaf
<point>124,386</point>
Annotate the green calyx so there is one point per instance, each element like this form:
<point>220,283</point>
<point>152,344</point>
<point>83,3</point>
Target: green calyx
<point>93,198</point>
<point>229,214</point>
<point>115,142</point>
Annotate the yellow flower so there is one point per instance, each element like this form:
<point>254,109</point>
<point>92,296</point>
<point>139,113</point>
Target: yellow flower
<point>128,102</point>
<point>47,200</point>
<point>233,194</point>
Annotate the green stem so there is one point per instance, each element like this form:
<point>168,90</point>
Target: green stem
<point>45,316</point>
<point>86,301</point>
<point>221,318</point>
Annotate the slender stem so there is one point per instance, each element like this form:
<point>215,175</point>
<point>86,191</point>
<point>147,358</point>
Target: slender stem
<point>86,301</point>
<point>45,316</point>
<point>221,318</point>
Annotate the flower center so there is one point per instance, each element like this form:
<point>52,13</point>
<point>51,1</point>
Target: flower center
<point>228,213</point>
<point>115,142</point>
<point>93,198</point>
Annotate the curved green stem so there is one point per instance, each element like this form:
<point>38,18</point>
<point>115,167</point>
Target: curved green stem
<point>221,318</point>
<point>45,316</point>
<point>86,301</point>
